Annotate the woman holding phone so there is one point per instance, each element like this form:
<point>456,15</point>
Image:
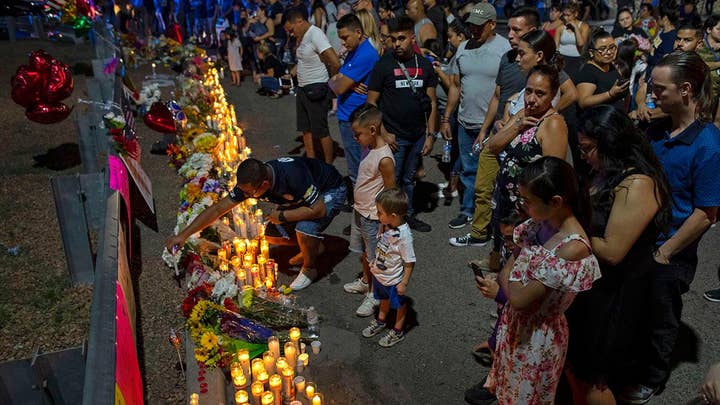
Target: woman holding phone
<point>571,37</point>
<point>598,82</point>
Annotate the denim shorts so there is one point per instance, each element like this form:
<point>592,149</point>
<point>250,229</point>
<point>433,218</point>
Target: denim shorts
<point>388,292</point>
<point>334,200</point>
<point>363,237</point>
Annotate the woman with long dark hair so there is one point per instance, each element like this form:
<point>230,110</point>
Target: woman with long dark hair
<point>630,203</point>
<point>598,82</point>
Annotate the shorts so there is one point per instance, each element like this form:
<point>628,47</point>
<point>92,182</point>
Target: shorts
<point>363,235</point>
<point>312,116</point>
<point>334,201</point>
<point>388,292</point>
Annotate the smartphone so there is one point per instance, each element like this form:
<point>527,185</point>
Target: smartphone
<point>622,81</point>
<point>477,270</point>
<point>430,58</point>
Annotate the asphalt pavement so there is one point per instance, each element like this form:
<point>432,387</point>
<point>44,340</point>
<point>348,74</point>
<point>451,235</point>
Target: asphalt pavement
<point>433,365</point>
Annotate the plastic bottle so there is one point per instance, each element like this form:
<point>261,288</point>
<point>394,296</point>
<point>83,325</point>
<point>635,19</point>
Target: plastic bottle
<point>649,100</point>
<point>447,149</point>
<point>312,320</point>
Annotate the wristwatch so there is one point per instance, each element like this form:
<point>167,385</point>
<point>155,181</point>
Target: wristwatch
<point>281,216</point>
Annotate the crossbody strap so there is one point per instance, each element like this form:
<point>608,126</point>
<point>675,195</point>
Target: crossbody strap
<point>407,75</point>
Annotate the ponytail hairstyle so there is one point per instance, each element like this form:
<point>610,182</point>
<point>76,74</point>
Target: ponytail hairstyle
<point>596,34</point>
<point>550,176</point>
<point>688,67</point>
<point>540,40</point>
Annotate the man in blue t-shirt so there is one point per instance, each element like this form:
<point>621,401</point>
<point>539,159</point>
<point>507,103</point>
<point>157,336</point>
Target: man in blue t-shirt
<point>309,194</point>
<point>349,82</point>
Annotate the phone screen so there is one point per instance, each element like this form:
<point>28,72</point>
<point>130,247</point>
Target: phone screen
<point>477,270</point>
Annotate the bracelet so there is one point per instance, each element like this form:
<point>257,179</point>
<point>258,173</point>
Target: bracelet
<point>281,216</point>
<point>444,120</point>
<point>609,93</point>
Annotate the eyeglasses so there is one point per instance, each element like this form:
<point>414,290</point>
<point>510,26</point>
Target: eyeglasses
<point>585,150</point>
<point>605,49</point>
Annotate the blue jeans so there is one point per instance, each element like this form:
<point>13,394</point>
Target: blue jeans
<point>407,159</point>
<point>352,149</point>
<point>469,162</point>
<point>270,83</point>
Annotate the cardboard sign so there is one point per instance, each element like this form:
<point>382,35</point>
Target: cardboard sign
<point>142,181</point>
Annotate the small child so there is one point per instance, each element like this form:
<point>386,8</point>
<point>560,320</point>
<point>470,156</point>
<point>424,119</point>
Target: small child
<point>375,173</point>
<point>234,55</point>
<point>393,265</point>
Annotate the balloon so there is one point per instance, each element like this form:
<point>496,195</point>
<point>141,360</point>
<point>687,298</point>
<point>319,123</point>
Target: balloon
<point>81,25</point>
<point>61,83</point>
<point>48,113</point>
<point>85,8</point>
<point>40,60</point>
<point>173,32</point>
<point>160,118</point>
<point>27,86</point>
<point>177,113</point>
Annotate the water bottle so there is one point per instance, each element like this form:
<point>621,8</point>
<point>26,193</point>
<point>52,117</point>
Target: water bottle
<point>649,100</point>
<point>447,148</point>
<point>312,320</point>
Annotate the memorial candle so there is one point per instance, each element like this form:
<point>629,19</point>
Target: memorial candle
<point>287,378</point>
<point>241,397</point>
<point>268,398</point>
<point>299,382</point>
<point>274,346</point>
<point>269,361</point>
<point>295,338</point>
<point>263,377</point>
<point>194,399</point>
<point>257,367</point>
<point>256,389</point>
<point>317,399</point>
<point>239,381</point>
<point>275,383</point>
<point>244,358</point>
<point>257,280</point>
<point>235,369</point>
<point>290,354</point>
<point>239,246</point>
<point>236,262</point>
<point>302,362</point>
<point>281,364</point>
<point>222,254</point>
<point>248,259</point>
<point>310,390</point>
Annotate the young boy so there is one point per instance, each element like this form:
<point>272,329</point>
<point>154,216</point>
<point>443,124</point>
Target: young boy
<point>375,173</point>
<point>393,265</point>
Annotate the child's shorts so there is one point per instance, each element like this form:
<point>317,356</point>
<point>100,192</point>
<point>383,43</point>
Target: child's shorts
<point>388,292</point>
<point>363,237</point>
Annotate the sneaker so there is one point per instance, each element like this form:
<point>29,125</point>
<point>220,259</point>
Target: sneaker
<point>638,394</point>
<point>373,329</point>
<point>712,295</point>
<point>479,395</point>
<point>357,287</point>
<point>391,338</point>
<point>301,282</point>
<point>442,194</point>
<point>418,225</point>
<point>368,305</point>
<point>459,221</point>
<point>468,240</point>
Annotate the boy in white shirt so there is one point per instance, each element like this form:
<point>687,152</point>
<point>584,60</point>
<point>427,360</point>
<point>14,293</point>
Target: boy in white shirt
<point>393,265</point>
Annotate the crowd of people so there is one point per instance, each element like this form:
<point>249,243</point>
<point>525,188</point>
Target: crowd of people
<point>587,158</point>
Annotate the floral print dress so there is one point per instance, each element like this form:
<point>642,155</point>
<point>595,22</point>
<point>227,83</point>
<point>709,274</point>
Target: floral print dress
<point>531,344</point>
<point>520,152</point>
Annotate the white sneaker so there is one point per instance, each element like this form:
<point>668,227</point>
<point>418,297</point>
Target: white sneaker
<point>368,305</point>
<point>301,282</point>
<point>357,287</point>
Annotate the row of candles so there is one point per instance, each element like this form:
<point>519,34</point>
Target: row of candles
<point>251,262</point>
<point>273,379</point>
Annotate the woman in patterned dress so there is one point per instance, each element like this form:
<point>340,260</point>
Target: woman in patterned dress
<point>552,264</point>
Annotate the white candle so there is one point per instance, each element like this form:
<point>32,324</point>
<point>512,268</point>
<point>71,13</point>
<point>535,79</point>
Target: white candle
<point>274,346</point>
<point>244,358</point>
<point>269,361</point>
<point>295,338</point>
<point>256,389</point>
<point>275,383</point>
<point>287,377</point>
<point>290,355</point>
<point>299,383</point>
<point>241,397</point>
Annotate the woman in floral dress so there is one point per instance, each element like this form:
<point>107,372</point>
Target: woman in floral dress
<point>552,264</point>
<point>536,131</point>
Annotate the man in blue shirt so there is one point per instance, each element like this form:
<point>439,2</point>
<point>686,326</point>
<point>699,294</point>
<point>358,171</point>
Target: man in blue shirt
<point>354,73</point>
<point>309,194</point>
<point>688,146</point>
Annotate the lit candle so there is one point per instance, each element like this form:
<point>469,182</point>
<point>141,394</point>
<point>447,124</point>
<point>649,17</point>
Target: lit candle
<point>269,361</point>
<point>275,383</point>
<point>248,258</point>
<point>239,246</point>
<point>241,397</point>
<point>244,358</point>
<point>290,354</point>
<point>261,260</point>
<point>256,389</point>
<point>310,390</point>
<point>153,68</point>
<point>299,382</point>
<point>254,242</point>
<point>235,369</point>
<point>257,280</point>
<point>302,362</point>
<point>257,367</point>
<point>264,246</point>
<point>223,267</point>
<point>236,262</point>
<point>317,399</point>
<point>281,364</point>
<point>274,346</point>
<point>239,381</point>
<point>194,399</point>
<point>268,398</point>
<point>295,338</point>
<point>263,376</point>
<point>287,377</point>
<point>222,254</point>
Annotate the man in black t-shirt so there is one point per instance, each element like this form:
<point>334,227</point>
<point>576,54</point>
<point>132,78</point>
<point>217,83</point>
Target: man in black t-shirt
<point>275,12</point>
<point>409,106</point>
<point>309,194</point>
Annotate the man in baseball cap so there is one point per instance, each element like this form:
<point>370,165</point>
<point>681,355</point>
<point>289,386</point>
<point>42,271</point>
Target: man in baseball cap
<point>481,13</point>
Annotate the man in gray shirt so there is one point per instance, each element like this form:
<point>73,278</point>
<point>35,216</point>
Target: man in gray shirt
<point>475,69</point>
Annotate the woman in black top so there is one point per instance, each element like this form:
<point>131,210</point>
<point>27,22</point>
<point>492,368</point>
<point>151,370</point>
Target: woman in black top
<point>624,26</point>
<point>597,81</point>
<point>630,200</point>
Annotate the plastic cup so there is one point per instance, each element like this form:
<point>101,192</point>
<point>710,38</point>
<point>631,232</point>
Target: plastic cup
<point>316,346</point>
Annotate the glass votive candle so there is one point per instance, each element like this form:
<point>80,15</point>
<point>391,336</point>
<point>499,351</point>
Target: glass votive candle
<point>239,381</point>
<point>269,361</point>
<point>244,358</point>
<point>299,382</point>
<point>280,364</point>
<point>309,390</point>
<point>256,389</point>
<point>290,354</point>
<point>235,369</point>
<point>263,377</point>
<point>257,367</point>
<point>317,399</point>
<point>274,346</point>
<point>267,398</point>
<point>241,397</point>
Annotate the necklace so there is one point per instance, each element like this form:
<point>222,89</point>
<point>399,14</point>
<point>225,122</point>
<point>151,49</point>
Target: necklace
<point>417,70</point>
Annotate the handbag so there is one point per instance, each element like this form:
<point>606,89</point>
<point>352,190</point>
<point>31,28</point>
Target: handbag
<point>423,99</point>
<point>316,91</point>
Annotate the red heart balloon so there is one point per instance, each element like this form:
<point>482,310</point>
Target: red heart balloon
<point>48,113</point>
<point>160,118</point>
<point>40,60</point>
<point>85,8</point>
<point>27,86</point>
<point>61,82</point>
